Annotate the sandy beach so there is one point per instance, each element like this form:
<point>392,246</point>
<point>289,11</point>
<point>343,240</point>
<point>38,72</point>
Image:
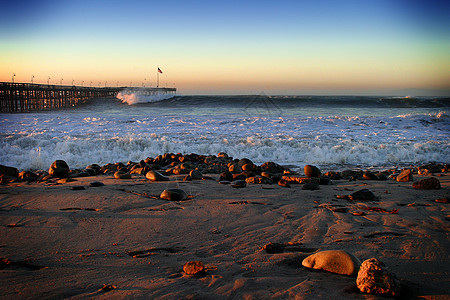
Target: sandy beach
<point>120,241</point>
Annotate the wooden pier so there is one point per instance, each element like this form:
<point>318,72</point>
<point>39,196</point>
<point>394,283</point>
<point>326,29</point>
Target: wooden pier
<point>25,97</point>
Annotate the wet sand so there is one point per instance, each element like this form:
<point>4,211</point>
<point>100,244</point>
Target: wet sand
<point>120,241</point>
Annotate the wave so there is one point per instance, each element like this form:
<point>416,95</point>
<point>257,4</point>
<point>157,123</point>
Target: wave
<point>136,95</point>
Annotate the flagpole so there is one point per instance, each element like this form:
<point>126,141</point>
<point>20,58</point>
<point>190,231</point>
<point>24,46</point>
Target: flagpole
<point>157,76</point>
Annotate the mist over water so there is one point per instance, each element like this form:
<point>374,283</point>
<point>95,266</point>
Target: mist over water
<point>332,132</point>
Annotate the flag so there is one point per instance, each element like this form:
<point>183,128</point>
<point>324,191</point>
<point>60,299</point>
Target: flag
<point>159,70</point>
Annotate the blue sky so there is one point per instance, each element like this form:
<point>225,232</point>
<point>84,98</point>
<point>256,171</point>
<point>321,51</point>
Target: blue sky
<point>291,47</point>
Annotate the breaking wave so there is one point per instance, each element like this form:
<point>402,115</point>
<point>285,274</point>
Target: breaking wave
<point>136,95</point>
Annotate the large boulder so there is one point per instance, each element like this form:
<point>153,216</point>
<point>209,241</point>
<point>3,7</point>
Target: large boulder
<point>375,278</point>
<point>59,168</point>
<point>9,171</point>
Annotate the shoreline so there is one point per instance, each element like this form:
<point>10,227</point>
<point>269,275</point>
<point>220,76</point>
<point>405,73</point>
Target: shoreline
<point>121,240</point>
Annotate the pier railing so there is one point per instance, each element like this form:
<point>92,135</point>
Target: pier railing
<point>23,97</point>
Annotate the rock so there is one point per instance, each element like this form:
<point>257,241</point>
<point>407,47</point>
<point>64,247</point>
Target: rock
<point>194,268</point>
<point>66,180</point>
<point>122,175</point>
<point>196,174</point>
<point>273,248</point>
<point>234,168</point>
<point>173,195</point>
<point>311,171</point>
<point>248,167</point>
<point>259,180</point>
<point>9,171</point>
<point>334,261</point>
<point>375,278</point>
<point>364,195</point>
<point>243,162</point>
<point>325,181</point>
<point>284,183</point>
<point>78,188</point>
<point>442,200</point>
<point>239,184</point>
<point>59,168</point>
<point>370,176</point>
<point>272,167</point>
<point>427,184</point>
<point>222,155</point>
<point>28,176</point>
<point>310,186</point>
<point>239,176</point>
<point>333,175</point>
<point>405,176</point>
<point>298,179</point>
<point>138,170</point>
<point>226,176</point>
<point>153,175</point>
<point>96,184</point>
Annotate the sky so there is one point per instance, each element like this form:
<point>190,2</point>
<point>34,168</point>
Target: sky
<point>371,47</point>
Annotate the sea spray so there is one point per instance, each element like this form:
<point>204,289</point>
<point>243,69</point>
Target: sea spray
<point>137,95</point>
<point>109,131</point>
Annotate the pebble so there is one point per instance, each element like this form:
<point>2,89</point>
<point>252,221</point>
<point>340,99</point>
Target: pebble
<point>59,168</point>
<point>369,176</point>
<point>427,184</point>
<point>156,176</point>
<point>122,175</point>
<point>334,261</point>
<point>284,183</point>
<point>405,176</point>
<point>96,184</point>
<point>173,195</point>
<point>194,268</point>
<point>78,188</point>
<point>375,278</point>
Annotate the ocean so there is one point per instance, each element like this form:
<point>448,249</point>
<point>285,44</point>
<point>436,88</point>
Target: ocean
<point>332,132</point>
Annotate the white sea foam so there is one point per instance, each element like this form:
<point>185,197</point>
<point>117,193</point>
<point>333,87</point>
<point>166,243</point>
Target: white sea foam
<point>134,96</point>
<point>34,141</point>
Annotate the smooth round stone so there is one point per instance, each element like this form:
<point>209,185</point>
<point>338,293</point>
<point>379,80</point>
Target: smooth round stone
<point>59,168</point>
<point>96,184</point>
<point>284,183</point>
<point>153,175</point>
<point>122,175</point>
<point>173,195</point>
<point>311,171</point>
<point>334,261</point>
